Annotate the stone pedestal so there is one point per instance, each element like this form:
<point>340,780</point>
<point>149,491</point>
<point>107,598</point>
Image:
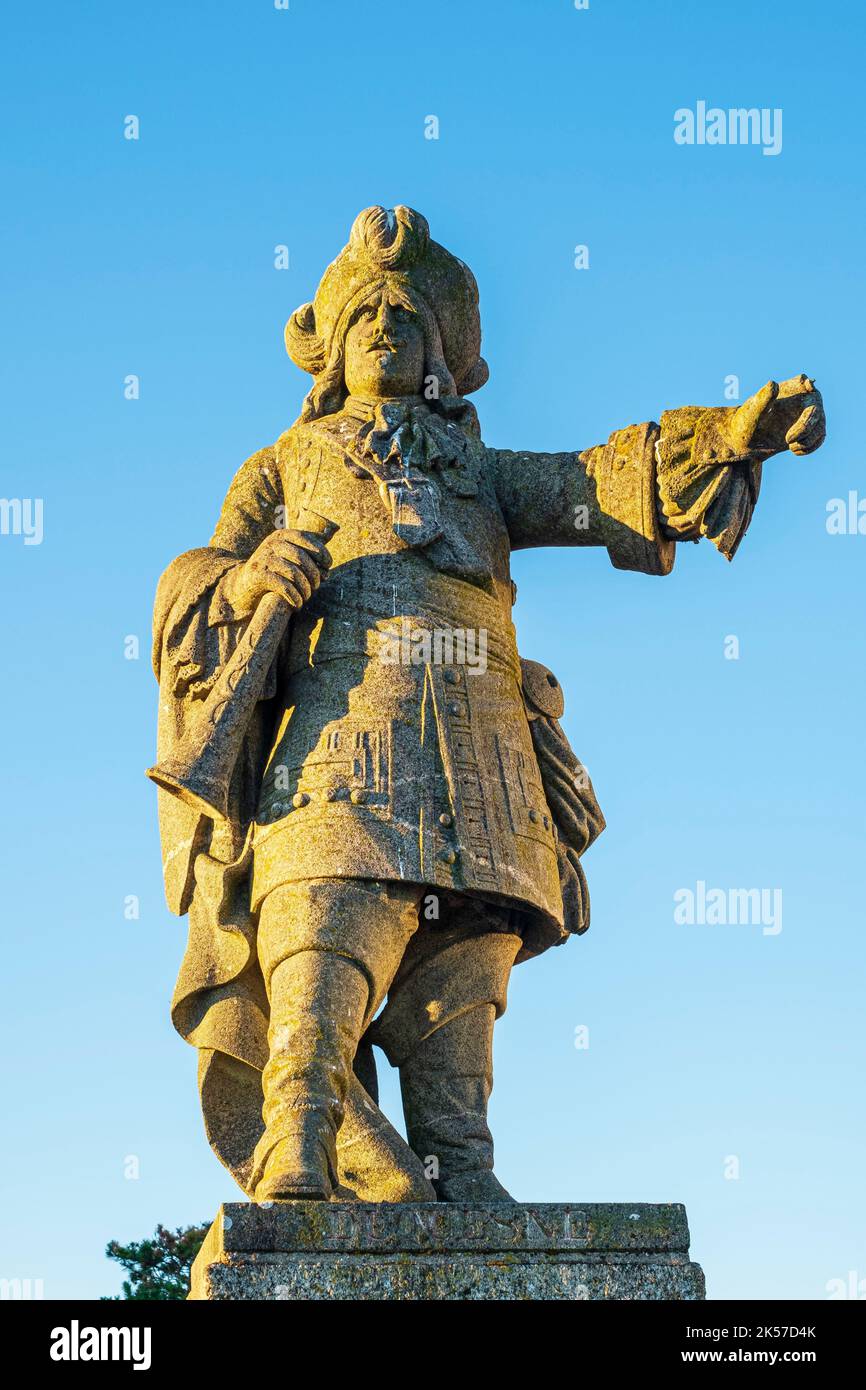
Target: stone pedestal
<point>440,1250</point>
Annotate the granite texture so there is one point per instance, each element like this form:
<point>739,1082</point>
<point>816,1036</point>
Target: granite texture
<point>447,1250</point>
<point>368,804</point>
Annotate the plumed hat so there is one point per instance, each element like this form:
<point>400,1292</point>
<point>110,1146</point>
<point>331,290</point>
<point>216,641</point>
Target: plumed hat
<point>393,245</point>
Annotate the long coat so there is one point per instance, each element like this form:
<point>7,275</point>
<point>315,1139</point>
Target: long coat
<point>375,752</point>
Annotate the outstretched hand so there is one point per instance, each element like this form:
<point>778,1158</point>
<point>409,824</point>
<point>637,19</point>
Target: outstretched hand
<point>782,415</point>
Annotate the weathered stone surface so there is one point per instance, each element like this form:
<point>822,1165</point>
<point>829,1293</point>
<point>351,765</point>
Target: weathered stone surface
<point>447,1250</point>
<point>368,805</point>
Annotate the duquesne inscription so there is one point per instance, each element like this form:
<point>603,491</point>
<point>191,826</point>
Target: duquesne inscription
<point>349,1227</point>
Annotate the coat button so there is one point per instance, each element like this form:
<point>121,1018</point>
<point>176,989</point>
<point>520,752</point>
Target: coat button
<point>357,797</point>
<point>445,819</point>
<point>451,677</point>
<point>299,799</point>
<point>448,856</point>
<point>533,816</point>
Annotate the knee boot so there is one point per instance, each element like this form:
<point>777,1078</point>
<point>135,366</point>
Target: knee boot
<point>318,1005</point>
<point>446,1084</point>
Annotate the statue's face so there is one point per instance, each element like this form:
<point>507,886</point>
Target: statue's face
<point>385,350</point>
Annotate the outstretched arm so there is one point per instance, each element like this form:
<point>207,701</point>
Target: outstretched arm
<point>697,473</point>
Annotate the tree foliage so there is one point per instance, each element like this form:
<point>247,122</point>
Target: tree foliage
<point>158,1268</point>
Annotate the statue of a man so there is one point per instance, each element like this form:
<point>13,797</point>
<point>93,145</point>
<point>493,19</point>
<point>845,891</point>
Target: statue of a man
<point>370,800</point>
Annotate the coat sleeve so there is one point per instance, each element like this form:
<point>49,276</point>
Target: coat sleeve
<point>195,630</point>
<point>648,487</point>
<point>602,496</point>
<point>195,633</point>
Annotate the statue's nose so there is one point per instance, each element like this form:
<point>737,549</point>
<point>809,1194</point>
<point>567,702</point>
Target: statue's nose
<point>385,317</point>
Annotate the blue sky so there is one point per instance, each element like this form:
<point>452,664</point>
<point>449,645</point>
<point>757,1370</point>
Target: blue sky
<point>155,257</point>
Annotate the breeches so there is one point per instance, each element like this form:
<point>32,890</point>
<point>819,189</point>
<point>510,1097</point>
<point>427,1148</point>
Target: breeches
<point>435,956</point>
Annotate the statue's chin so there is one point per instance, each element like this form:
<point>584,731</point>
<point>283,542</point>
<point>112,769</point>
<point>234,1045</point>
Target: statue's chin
<point>384,386</point>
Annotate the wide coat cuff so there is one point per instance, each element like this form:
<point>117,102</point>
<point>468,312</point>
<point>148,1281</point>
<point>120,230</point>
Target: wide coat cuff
<point>624,470</point>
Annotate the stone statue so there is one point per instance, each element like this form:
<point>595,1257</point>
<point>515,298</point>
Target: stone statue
<point>368,806</point>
